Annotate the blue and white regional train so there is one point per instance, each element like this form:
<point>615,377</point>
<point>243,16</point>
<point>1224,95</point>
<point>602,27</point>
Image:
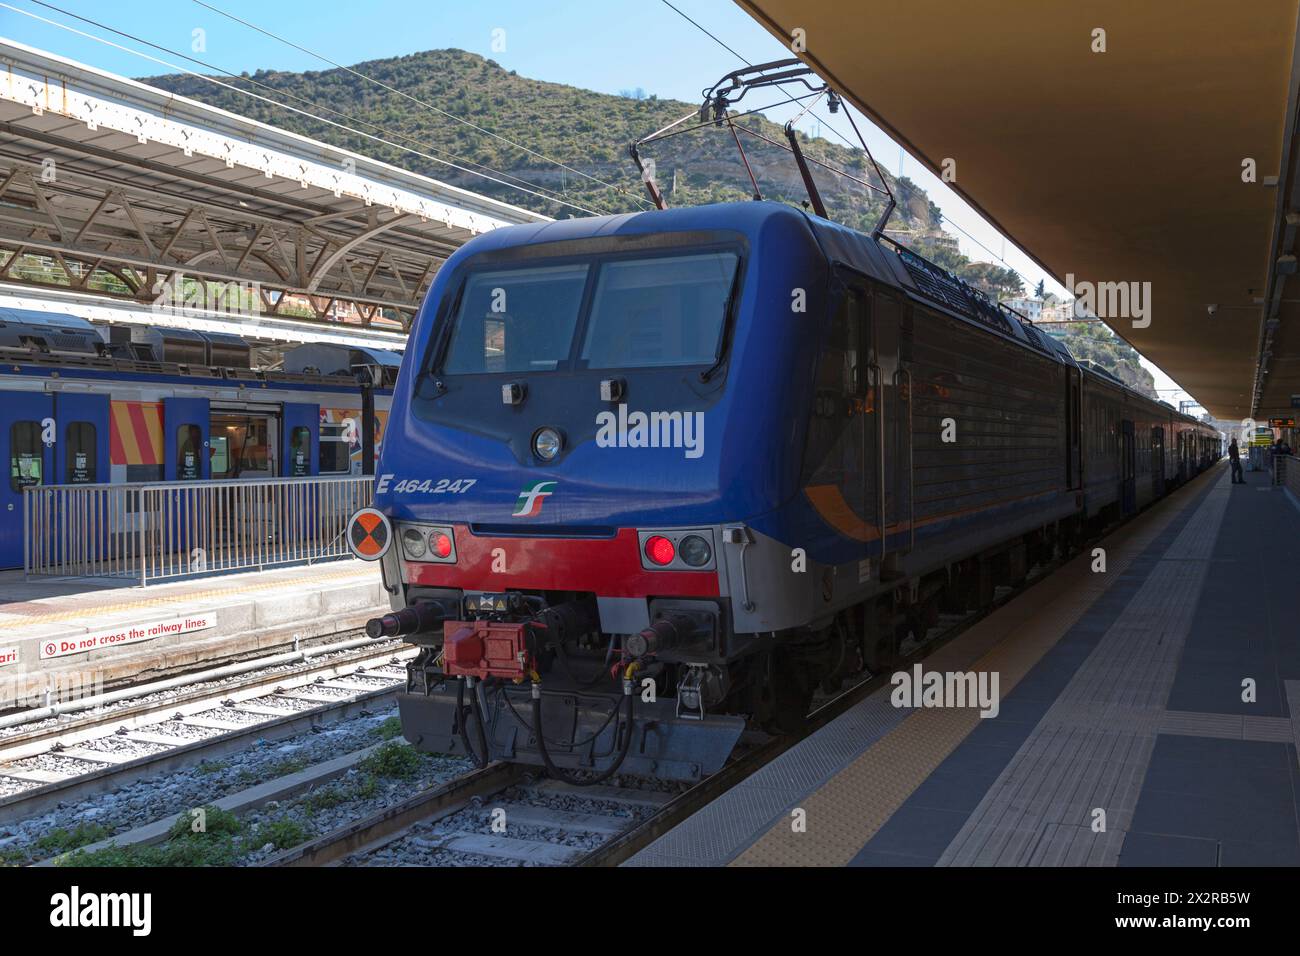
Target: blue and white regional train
<point>654,478</point>
<point>85,404</point>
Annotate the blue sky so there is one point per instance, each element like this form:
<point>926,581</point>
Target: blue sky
<point>604,45</point>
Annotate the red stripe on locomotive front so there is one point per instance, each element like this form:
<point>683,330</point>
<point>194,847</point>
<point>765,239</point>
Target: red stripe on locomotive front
<point>607,567</point>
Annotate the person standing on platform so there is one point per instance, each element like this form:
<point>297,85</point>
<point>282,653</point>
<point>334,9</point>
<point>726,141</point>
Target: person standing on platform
<point>1235,456</point>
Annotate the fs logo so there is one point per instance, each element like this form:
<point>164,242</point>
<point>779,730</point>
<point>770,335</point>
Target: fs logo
<point>530,500</point>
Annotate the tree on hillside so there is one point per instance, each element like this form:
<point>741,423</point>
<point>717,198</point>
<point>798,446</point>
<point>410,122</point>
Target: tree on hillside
<point>540,125</point>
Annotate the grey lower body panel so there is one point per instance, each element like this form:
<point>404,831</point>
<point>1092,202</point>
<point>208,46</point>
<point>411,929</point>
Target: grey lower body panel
<point>583,731</point>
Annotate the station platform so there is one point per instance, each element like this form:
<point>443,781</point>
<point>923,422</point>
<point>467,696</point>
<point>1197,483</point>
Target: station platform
<point>1148,716</point>
<point>51,629</point>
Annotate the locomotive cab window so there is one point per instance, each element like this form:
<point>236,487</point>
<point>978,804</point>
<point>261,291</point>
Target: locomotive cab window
<point>79,440</point>
<point>649,311</point>
<point>516,320</point>
<point>661,311</point>
<point>25,455</point>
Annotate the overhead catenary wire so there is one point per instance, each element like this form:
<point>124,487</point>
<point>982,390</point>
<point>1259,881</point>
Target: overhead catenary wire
<point>268,100</point>
<point>420,102</point>
<point>913,191</point>
<point>519,184</point>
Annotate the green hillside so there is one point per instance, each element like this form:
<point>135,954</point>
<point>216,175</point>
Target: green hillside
<point>586,131</point>
<point>589,133</point>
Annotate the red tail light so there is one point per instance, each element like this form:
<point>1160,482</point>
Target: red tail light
<point>440,544</point>
<point>659,549</point>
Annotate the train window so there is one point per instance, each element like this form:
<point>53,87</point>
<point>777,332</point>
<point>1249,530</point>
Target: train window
<point>299,452</point>
<point>26,453</point>
<point>667,310</point>
<point>335,453</point>
<point>189,449</point>
<point>220,456</point>
<point>516,320</point>
<point>79,441</point>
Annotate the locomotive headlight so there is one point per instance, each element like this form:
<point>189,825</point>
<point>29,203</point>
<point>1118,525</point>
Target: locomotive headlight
<point>413,543</point>
<point>694,550</point>
<point>547,443</point>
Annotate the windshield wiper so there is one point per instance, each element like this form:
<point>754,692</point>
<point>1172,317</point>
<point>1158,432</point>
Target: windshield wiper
<point>727,322</point>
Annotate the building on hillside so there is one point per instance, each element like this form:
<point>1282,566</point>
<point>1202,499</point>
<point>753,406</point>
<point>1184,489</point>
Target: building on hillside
<point>1059,311</point>
<point>1031,307</point>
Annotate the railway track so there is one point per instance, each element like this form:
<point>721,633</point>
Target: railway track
<point>511,815</point>
<point>506,814</point>
<point>48,765</point>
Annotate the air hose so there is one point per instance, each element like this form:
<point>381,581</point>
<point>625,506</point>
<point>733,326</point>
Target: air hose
<point>563,775</point>
<point>463,712</point>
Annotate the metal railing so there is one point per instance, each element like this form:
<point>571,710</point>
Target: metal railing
<point>1286,472</point>
<point>155,531</point>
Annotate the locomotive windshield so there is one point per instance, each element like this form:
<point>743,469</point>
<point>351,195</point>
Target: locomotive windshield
<point>665,310</point>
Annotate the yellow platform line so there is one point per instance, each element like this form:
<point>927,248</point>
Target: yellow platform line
<point>187,597</point>
<point>848,810</point>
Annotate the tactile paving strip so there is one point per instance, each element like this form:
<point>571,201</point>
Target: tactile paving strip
<point>884,768</point>
<point>1227,726</point>
<point>1064,775</point>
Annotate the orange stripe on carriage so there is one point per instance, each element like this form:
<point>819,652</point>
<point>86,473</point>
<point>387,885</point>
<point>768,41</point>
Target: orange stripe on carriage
<point>136,436</point>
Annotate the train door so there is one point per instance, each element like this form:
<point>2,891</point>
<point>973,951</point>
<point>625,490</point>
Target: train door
<point>81,454</point>
<point>891,372</point>
<point>301,439</point>
<point>186,445</point>
<point>1157,461</point>
<point>1127,468</point>
<point>27,434</point>
<point>245,442</point>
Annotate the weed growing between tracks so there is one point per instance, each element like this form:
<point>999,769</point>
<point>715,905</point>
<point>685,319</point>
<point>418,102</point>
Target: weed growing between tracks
<point>390,729</point>
<point>230,840</point>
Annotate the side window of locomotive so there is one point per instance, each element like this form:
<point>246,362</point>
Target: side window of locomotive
<point>79,440</point>
<point>662,311</point>
<point>516,320</point>
<point>189,449</point>
<point>335,456</point>
<point>25,455</point>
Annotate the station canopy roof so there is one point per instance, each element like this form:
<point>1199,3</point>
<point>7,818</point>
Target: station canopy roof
<point>1116,166</point>
<point>103,174</point>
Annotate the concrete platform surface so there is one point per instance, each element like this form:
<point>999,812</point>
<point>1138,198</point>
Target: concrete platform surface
<point>77,629</point>
<point>1147,715</point>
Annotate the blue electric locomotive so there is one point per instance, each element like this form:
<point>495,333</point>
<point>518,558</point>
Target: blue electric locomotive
<point>651,479</point>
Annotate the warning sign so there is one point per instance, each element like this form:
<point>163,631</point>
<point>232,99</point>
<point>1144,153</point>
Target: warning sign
<point>369,534</point>
<point>126,634</point>
<point>8,655</point>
